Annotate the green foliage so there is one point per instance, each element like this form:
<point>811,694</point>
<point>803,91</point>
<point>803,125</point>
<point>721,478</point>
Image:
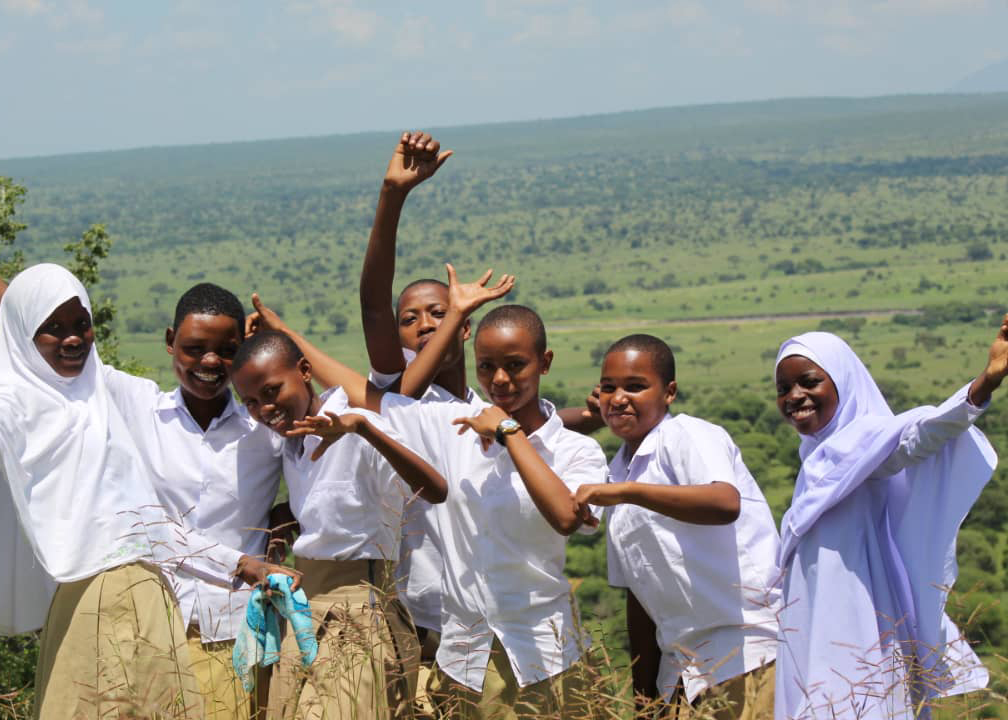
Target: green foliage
<point>11,195</point>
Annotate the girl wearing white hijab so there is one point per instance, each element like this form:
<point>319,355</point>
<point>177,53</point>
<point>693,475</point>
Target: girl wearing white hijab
<point>868,545</point>
<point>113,638</point>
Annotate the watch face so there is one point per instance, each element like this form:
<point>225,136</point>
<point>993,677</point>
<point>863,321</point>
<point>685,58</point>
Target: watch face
<point>509,425</point>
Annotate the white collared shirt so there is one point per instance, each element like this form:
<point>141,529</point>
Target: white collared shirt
<point>349,503</point>
<point>708,588</point>
<point>503,561</point>
<point>421,564</point>
<point>221,482</point>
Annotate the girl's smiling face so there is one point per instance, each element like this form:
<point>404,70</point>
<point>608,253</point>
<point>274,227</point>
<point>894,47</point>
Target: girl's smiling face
<point>64,339</point>
<point>806,394</point>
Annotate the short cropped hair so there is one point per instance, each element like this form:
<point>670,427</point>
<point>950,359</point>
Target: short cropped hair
<point>516,316</point>
<point>415,283</point>
<point>266,342</point>
<point>661,354</point>
<point>209,299</point>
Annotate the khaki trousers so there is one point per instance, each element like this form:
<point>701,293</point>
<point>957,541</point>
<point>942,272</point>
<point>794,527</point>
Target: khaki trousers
<point>745,697</point>
<point>114,646</point>
<point>224,698</point>
<point>561,696</point>
<point>368,652</point>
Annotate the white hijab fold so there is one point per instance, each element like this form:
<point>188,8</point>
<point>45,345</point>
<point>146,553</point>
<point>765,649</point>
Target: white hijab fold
<point>918,513</point>
<point>76,480</point>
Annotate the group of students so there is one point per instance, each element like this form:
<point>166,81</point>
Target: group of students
<point>428,525</point>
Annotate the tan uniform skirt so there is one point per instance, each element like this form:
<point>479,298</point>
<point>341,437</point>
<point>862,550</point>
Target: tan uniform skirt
<point>368,653</point>
<point>114,646</point>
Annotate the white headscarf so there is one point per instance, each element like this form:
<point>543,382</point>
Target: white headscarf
<point>917,513</point>
<point>76,480</point>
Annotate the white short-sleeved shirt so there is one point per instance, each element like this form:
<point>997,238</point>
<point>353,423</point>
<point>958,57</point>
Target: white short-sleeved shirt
<point>221,482</point>
<point>708,588</point>
<point>421,564</point>
<point>350,501</point>
<point>503,561</point>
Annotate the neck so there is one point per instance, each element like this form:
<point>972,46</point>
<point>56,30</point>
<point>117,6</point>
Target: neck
<point>453,379</point>
<point>204,411</point>
<point>530,417</point>
<point>315,405</point>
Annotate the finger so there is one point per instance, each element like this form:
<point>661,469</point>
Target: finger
<point>320,450</point>
<point>452,277</point>
<point>257,302</point>
<point>433,147</point>
<point>300,431</point>
<point>404,139</point>
<point>592,521</point>
<point>485,278</point>
<point>333,417</point>
<point>251,324</point>
<point>442,157</point>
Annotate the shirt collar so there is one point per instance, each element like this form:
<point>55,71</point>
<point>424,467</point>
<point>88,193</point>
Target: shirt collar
<point>648,446</point>
<point>175,402</point>
<point>548,431</point>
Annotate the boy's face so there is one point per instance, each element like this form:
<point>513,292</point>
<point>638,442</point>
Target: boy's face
<point>421,310</point>
<point>202,349</point>
<point>632,396</point>
<point>275,391</point>
<point>509,368</point>
<point>65,338</point>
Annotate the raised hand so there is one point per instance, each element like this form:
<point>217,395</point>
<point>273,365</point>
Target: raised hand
<point>466,298</point>
<point>997,356</point>
<point>592,407</point>
<point>416,158</point>
<point>262,319</point>
<point>330,427</point>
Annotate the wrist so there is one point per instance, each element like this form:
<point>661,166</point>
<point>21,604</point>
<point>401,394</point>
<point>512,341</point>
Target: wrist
<point>394,192</point>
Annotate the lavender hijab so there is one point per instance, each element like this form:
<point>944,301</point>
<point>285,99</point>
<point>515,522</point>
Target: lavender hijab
<point>868,551</point>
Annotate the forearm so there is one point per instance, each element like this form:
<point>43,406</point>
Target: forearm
<point>574,418</point>
<point>644,652</point>
<point>332,373</point>
<point>716,503</point>
<point>420,373</point>
<point>381,333</point>
<point>548,492</point>
<point>414,470</point>
<point>983,387</point>
<point>3,288</point>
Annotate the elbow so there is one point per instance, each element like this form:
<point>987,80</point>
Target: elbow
<point>566,526</point>
<point>730,508</point>
<point>435,494</point>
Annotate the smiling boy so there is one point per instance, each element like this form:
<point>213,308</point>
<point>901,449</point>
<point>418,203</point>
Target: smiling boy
<point>692,539</point>
<point>215,470</point>
<point>348,500</point>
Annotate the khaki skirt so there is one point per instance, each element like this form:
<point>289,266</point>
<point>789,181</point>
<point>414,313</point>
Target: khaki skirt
<point>114,646</point>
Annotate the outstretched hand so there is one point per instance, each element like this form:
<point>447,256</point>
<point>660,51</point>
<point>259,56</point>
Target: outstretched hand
<point>466,298</point>
<point>262,319</point>
<point>330,427</point>
<point>416,158</point>
<point>589,494</point>
<point>592,407</point>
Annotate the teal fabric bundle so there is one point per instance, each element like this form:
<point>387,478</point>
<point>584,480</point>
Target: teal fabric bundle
<point>258,640</point>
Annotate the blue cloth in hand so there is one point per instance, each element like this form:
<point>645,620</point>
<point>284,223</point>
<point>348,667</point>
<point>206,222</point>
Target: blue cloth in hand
<point>258,640</point>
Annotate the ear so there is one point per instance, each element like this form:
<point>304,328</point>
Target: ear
<point>304,367</point>
<point>547,361</point>
<point>466,330</point>
<point>670,392</point>
<point>169,338</point>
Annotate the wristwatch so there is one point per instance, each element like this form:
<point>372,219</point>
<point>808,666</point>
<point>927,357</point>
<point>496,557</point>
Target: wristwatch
<point>508,426</point>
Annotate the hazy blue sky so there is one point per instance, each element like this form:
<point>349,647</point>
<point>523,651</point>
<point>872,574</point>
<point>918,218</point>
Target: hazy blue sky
<point>89,75</point>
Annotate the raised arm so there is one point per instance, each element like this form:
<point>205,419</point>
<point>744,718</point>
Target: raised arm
<point>716,503</point>
<point>463,300</point>
<point>549,493</point>
<point>328,372</point>
<point>417,472</point>
<point>416,158</point>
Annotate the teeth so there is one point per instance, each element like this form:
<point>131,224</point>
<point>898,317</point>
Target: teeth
<point>207,378</point>
<point>277,420</point>
<point>802,413</point>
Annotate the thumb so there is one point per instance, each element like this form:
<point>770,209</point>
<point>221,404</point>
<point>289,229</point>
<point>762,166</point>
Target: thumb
<point>452,277</point>
<point>444,156</point>
<point>256,302</point>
